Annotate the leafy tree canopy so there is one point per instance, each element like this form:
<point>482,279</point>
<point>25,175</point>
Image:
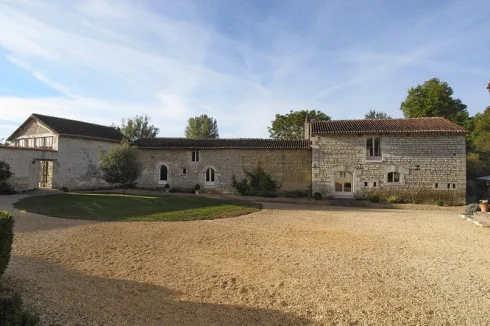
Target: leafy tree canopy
<point>373,114</point>
<point>434,99</point>
<point>120,165</point>
<point>138,127</point>
<point>202,127</point>
<point>292,124</point>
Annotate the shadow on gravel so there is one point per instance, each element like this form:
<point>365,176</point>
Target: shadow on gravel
<point>67,297</point>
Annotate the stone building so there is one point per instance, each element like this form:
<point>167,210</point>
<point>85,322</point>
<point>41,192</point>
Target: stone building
<point>351,157</point>
<point>211,163</point>
<point>51,152</point>
<point>340,158</point>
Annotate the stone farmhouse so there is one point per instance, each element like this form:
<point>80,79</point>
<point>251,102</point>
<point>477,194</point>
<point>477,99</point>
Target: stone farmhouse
<point>340,158</point>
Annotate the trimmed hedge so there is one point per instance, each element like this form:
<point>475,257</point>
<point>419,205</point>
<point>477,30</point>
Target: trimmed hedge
<point>6,239</point>
<point>12,312</point>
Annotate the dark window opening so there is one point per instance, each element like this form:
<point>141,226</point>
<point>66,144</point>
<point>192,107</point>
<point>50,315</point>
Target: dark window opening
<point>437,185</point>
<point>393,177</point>
<point>209,175</point>
<point>184,171</point>
<point>163,173</point>
<point>195,156</point>
<point>365,184</point>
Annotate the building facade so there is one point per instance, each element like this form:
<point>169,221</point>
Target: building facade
<point>340,158</point>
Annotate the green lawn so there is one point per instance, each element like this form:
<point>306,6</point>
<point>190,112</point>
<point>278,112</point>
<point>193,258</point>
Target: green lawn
<point>116,207</point>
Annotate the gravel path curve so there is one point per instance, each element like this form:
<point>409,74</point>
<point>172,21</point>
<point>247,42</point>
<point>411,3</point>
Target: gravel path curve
<point>288,264</point>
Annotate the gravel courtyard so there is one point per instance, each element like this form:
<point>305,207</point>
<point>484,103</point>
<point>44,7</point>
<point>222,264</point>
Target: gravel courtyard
<point>285,265</point>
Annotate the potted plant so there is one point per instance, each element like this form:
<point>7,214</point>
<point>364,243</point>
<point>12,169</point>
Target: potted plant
<point>484,205</point>
<point>196,189</point>
<point>167,187</point>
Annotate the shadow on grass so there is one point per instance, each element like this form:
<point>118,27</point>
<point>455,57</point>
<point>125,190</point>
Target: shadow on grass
<point>117,207</point>
<point>75,298</point>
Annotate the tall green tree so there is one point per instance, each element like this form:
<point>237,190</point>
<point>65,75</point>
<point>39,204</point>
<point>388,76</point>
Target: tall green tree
<point>202,127</point>
<point>120,165</point>
<point>138,127</point>
<point>434,99</point>
<point>291,125</point>
<point>373,114</point>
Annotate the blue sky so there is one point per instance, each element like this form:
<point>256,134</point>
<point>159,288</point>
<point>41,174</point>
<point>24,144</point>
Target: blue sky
<point>238,61</point>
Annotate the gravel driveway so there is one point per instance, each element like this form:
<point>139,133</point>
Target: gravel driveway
<point>288,264</point>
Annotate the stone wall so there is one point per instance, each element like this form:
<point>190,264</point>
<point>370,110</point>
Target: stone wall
<point>290,167</point>
<point>78,163</point>
<point>25,164</point>
<point>423,160</point>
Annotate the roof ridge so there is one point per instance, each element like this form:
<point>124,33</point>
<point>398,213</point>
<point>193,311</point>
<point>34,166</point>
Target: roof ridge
<point>384,119</point>
<point>190,139</point>
<point>37,115</point>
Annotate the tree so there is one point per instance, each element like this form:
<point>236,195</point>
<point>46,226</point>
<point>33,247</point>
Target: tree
<point>481,132</point>
<point>373,114</point>
<point>138,127</point>
<point>202,127</point>
<point>434,99</point>
<point>120,165</point>
<point>292,124</point>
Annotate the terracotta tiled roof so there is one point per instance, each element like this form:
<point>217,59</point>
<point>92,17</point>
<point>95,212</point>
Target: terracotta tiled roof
<point>411,125</point>
<point>240,143</point>
<point>74,128</point>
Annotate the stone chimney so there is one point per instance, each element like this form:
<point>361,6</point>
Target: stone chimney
<point>307,129</point>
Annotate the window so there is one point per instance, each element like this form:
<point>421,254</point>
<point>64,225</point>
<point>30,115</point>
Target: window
<point>365,184</point>
<point>210,176</point>
<point>373,148</point>
<point>48,142</point>
<point>436,185</point>
<point>195,156</point>
<point>374,185</point>
<point>343,182</point>
<point>30,142</point>
<point>184,171</point>
<point>22,142</point>
<point>393,177</point>
<point>39,142</point>
<point>163,174</point>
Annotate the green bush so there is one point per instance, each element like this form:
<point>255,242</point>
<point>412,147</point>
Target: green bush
<point>317,196</point>
<point>373,198</point>
<point>418,194</point>
<point>472,209</point>
<point>5,172</point>
<point>6,188</point>
<point>393,199</point>
<point>64,189</point>
<point>6,239</point>
<point>12,313</point>
<point>439,202</point>
<point>256,183</point>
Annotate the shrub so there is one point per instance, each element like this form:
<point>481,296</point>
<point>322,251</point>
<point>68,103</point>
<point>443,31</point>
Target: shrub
<point>255,183</point>
<point>6,188</point>
<point>439,202</point>
<point>197,187</point>
<point>393,199</point>
<point>6,239</point>
<point>12,312</point>
<point>373,198</point>
<point>5,172</point>
<point>167,186</point>
<point>472,209</point>
<point>64,189</point>
<point>317,196</point>
<point>418,194</point>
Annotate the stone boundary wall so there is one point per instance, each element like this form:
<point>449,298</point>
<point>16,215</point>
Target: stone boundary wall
<point>291,168</point>
<point>24,163</point>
